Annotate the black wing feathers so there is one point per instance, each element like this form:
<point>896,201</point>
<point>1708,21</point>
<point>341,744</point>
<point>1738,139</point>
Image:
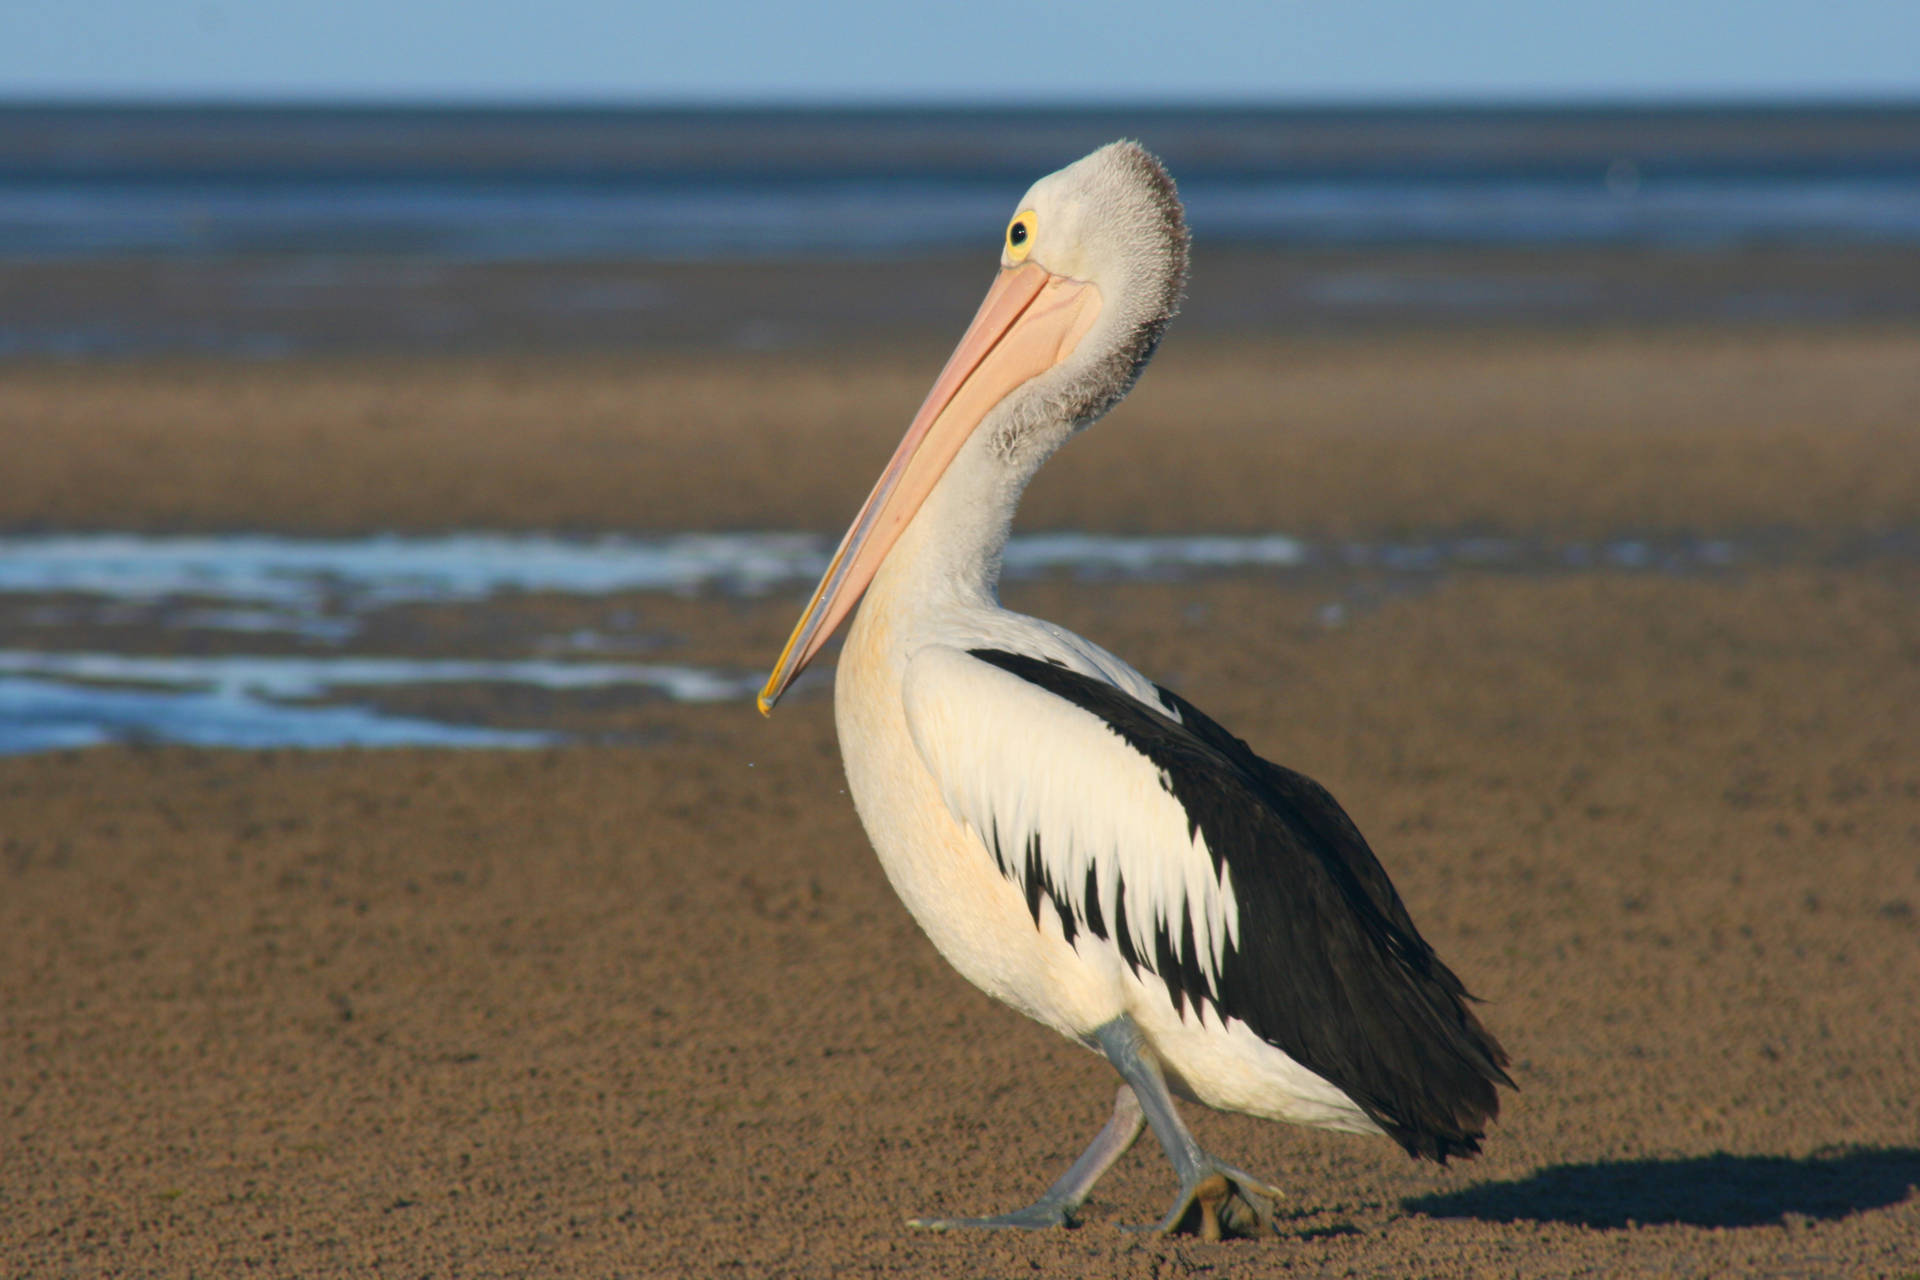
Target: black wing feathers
<point>1328,967</point>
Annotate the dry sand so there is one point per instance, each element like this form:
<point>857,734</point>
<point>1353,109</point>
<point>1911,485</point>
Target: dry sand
<point>653,1011</point>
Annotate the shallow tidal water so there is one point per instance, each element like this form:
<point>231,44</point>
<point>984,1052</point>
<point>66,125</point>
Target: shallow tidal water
<point>256,641</point>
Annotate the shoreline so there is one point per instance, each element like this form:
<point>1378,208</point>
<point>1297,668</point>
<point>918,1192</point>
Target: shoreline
<point>270,307</point>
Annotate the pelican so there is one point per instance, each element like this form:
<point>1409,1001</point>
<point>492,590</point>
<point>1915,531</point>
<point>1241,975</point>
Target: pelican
<point>1078,841</point>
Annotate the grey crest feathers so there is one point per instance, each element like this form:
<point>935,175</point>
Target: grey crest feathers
<point>1165,226</point>
<point>1154,225</point>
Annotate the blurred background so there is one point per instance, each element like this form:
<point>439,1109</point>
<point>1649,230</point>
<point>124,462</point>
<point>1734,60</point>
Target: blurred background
<point>328,331</point>
<point>356,175</point>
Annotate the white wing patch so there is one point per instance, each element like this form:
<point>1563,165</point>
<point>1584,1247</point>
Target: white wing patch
<point>1021,765</point>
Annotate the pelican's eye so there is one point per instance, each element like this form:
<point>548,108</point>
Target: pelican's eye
<point>1020,235</point>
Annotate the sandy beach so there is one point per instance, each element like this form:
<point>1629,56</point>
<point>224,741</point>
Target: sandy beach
<point>653,1010</point>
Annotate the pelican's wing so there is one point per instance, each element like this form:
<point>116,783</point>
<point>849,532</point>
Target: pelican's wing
<point>1238,883</point>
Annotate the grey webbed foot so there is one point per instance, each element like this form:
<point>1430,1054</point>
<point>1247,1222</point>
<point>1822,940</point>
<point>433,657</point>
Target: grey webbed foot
<point>1061,1202</point>
<point>1222,1202</point>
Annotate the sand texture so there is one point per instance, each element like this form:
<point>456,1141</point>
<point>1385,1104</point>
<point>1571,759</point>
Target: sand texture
<point>653,1010</point>
<point>1557,435</point>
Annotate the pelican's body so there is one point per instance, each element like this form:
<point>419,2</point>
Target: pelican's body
<point>1078,842</point>
<point>907,665</point>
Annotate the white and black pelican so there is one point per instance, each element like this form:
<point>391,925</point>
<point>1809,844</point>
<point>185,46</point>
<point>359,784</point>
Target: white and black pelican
<point>1078,841</point>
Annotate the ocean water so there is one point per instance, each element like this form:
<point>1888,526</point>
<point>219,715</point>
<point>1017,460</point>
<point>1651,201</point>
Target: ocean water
<point>528,185</point>
<point>265,233</point>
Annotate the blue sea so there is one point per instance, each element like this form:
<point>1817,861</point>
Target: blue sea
<point>532,185</point>
<point>268,232</point>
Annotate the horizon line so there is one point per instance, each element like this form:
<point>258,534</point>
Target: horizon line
<point>801,104</point>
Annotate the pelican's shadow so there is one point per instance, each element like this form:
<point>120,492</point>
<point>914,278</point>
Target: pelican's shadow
<point>1704,1191</point>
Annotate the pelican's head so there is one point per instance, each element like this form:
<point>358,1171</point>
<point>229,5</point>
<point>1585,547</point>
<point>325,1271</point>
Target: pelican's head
<point>1091,269</point>
<point>1110,223</point>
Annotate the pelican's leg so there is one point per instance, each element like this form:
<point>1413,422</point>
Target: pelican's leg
<point>1057,1206</point>
<point>1215,1199</point>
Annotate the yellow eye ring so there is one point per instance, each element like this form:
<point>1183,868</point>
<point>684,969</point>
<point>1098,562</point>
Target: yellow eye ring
<point>1020,235</point>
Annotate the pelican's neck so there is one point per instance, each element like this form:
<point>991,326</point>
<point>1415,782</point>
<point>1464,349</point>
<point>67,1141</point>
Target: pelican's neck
<point>949,556</point>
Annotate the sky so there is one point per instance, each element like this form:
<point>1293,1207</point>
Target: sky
<point>653,51</point>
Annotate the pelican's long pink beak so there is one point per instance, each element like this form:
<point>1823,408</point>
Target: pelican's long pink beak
<point>1031,320</point>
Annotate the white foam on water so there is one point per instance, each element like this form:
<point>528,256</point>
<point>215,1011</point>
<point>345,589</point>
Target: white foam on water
<point>43,715</point>
<point>304,574</point>
<point>1107,555</point>
<point>304,677</point>
<point>54,700</point>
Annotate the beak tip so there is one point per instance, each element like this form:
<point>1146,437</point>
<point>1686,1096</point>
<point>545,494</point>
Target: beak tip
<point>765,703</point>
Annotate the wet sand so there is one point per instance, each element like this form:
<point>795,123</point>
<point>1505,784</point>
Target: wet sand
<point>1557,435</point>
<point>654,1011</point>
